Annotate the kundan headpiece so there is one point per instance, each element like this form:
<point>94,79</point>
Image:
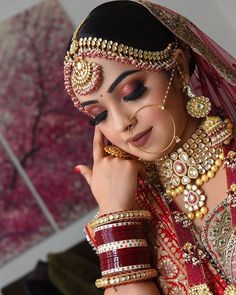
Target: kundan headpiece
<point>214,66</point>
<point>83,77</point>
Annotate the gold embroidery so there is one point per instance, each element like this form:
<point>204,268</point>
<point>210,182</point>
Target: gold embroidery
<point>230,290</point>
<point>200,290</point>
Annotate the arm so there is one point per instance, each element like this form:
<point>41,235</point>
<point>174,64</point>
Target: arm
<point>109,185</point>
<point>147,288</point>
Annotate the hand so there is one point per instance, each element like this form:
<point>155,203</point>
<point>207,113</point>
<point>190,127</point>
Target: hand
<point>113,181</point>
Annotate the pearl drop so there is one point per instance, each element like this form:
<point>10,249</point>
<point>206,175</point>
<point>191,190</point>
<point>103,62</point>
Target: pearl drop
<point>190,215</point>
<point>199,214</point>
<point>204,210</point>
<point>199,181</point>
<point>205,178</point>
<point>210,174</point>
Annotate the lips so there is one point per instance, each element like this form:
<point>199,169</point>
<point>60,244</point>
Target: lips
<point>141,138</point>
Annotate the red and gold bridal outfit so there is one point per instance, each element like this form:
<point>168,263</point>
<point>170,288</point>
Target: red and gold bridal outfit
<point>217,239</point>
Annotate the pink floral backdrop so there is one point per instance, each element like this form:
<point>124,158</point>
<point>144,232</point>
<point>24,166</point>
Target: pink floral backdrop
<point>48,136</point>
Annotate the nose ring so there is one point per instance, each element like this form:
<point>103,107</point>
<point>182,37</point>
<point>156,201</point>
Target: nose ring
<point>133,120</point>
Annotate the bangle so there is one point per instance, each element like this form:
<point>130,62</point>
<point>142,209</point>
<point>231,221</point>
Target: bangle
<point>128,278</point>
<point>139,251</point>
<point>120,216</point>
<point>107,236</point>
<point>122,245</point>
<point>114,264</point>
<point>125,268</point>
<point>118,224</point>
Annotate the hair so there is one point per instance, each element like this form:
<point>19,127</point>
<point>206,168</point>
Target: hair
<point>129,23</point>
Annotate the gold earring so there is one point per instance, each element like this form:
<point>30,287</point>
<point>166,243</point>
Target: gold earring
<point>197,106</point>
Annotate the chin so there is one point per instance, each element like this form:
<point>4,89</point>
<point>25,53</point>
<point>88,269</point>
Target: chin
<point>155,154</point>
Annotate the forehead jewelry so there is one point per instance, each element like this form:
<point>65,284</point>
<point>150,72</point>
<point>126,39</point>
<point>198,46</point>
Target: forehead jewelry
<point>80,76</point>
<point>162,108</point>
<point>83,77</point>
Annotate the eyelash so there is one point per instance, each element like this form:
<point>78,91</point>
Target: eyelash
<point>102,116</point>
<point>137,93</point>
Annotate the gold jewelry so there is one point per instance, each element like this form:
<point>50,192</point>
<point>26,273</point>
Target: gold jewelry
<point>126,268</point>
<point>127,278</point>
<point>119,216</point>
<point>83,77</point>
<point>86,77</point>
<point>89,44</point>
<point>197,106</point>
<point>116,152</point>
<point>174,137</point>
<point>161,107</point>
<point>188,168</point>
<point>219,131</point>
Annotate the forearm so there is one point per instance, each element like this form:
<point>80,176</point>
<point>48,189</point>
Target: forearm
<point>147,288</point>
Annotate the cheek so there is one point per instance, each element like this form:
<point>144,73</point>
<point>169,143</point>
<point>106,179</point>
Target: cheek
<point>151,114</point>
<point>156,94</point>
<point>109,135</point>
<point>160,120</point>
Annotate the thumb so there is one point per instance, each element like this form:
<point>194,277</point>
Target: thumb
<point>85,171</point>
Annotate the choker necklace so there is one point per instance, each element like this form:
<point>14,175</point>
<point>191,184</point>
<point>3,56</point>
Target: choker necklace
<point>196,162</point>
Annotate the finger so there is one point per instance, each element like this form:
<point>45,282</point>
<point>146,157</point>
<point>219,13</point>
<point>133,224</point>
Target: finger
<point>98,145</point>
<point>86,172</point>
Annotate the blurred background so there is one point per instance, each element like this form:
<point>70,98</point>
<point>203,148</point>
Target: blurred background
<point>44,205</point>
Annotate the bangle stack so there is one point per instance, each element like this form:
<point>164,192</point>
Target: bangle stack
<point>122,248</point>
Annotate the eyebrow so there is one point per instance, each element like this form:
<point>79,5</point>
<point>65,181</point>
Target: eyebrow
<point>88,102</point>
<point>112,86</point>
<point>120,78</point>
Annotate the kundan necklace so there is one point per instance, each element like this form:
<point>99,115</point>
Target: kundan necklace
<point>192,165</point>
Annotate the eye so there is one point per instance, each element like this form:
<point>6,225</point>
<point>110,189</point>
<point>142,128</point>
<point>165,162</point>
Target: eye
<point>98,119</point>
<point>136,93</point>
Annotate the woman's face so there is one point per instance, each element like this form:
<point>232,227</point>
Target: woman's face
<point>126,91</point>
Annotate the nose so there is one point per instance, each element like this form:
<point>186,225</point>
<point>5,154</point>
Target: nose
<point>122,120</point>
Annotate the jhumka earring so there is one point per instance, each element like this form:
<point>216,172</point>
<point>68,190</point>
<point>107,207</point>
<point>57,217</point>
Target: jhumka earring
<point>218,130</point>
<point>197,106</point>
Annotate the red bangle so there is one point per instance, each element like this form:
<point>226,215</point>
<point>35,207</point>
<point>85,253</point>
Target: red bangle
<point>136,251</point>
<point>121,261</point>
<point>118,233</point>
<point>122,229</point>
<point>108,237</point>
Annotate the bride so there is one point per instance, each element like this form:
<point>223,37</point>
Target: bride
<point>161,96</point>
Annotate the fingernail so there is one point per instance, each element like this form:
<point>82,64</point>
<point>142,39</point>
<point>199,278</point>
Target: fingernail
<point>77,169</point>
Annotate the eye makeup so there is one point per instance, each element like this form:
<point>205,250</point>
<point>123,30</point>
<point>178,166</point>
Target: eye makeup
<point>136,93</point>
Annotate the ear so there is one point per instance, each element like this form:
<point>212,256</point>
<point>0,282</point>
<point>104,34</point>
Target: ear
<point>182,71</point>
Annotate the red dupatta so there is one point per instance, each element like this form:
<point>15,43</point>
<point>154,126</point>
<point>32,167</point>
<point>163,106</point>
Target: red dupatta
<point>215,73</point>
